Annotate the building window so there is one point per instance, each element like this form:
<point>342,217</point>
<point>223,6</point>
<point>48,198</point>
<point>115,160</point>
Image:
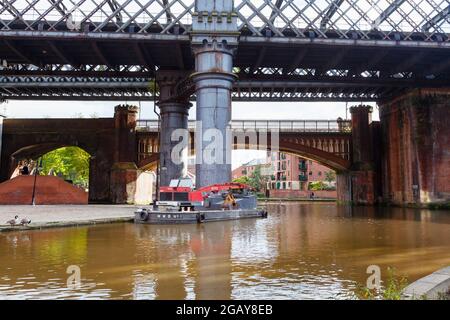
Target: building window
<point>310,173</point>
<point>320,173</point>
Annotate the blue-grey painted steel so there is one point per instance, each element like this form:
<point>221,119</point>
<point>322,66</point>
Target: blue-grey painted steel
<point>173,161</point>
<point>176,217</point>
<point>436,19</point>
<point>173,131</point>
<point>214,38</point>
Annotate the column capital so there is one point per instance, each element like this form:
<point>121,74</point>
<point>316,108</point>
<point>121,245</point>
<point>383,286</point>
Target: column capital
<point>170,77</point>
<point>214,21</point>
<point>361,108</point>
<point>167,81</point>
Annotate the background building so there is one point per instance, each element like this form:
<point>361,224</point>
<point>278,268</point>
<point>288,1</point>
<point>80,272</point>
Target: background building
<point>248,168</point>
<point>291,172</point>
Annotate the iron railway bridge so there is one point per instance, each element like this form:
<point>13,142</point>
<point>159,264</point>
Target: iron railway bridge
<point>287,50</point>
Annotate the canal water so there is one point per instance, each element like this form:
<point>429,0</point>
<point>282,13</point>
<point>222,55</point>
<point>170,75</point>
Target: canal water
<point>301,251</point>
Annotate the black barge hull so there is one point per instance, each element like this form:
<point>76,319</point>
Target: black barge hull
<point>177,217</point>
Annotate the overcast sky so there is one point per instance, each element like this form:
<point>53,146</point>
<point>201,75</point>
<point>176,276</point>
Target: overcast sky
<point>241,110</point>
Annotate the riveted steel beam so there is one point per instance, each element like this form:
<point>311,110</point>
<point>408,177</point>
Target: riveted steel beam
<point>333,8</point>
<point>386,13</point>
<point>273,15</point>
<point>436,19</point>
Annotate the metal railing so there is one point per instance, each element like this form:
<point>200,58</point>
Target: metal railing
<point>324,126</point>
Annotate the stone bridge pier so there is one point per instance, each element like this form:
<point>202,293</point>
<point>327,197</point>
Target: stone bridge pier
<point>416,148</point>
<point>404,158</point>
<point>128,183</point>
<point>359,184</point>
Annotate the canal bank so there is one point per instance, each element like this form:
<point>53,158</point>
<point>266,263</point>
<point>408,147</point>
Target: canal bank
<point>48,216</point>
<point>53,216</point>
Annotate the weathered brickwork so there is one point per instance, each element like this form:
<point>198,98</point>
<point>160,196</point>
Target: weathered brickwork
<point>416,148</point>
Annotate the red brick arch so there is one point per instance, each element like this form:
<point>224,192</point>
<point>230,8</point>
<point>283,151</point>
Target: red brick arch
<point>297,144</point>
<point>31,138</point>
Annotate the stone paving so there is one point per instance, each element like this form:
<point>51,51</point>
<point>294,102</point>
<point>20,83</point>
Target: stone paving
<point>64,215</point>
<point>433,286</point>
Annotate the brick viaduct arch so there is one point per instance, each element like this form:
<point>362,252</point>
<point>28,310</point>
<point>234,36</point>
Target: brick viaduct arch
<point>330,149</point>
<point>119,152</point>
<point>31,138</point>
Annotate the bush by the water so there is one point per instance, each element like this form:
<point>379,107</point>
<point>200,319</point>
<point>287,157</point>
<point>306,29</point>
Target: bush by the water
<point>320,185</point>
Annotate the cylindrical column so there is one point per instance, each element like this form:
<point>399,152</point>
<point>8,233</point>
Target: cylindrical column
<point>213,81</point>
<point>214,37</point>
<point>173,147</point>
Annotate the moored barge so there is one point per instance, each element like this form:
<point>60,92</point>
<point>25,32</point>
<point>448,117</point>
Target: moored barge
<point>180,203</point>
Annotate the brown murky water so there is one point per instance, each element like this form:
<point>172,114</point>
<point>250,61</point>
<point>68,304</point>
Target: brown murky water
<point>302,251</point>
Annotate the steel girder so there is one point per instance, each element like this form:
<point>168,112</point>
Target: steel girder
<point>441,16</point>
<point>376,19</point>
<point>273,88</point>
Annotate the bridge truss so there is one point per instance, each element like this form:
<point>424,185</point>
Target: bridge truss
<point>289,50</point>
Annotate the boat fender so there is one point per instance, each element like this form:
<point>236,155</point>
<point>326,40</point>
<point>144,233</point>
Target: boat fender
<point>144,215</point>
<point>200,218</point>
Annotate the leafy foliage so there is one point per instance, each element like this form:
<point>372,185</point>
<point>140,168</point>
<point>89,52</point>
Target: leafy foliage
<point>391,291</point>
<point>319,185</point>
<point>330,176</point>
<point>71,163</point>
<point>256,179</point>
<point>243,179</point>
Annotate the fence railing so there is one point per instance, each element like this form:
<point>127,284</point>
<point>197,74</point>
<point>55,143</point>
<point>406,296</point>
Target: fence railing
<point>343,126</point>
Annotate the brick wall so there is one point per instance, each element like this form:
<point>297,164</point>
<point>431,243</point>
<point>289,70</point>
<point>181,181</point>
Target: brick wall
<point>416,144</point>
<point>324,194</point>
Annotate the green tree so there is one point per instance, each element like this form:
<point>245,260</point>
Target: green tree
<point>242,179</point>
<point>257,180</point>
<point>72,163</point>
<point>316,186</point>
<point>330,176</point>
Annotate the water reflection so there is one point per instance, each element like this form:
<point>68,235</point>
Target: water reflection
<point>302,251</point>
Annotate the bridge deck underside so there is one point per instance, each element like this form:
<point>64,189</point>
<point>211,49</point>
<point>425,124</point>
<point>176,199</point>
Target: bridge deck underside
<point>114,69</point>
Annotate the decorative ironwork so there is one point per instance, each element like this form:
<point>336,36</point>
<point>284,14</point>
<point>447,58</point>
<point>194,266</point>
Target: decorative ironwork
<point>379,19</point>
<point>352,50</point>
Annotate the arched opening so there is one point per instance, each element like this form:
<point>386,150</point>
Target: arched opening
<point>49,173</point>
<point>285,174</point>
<point>69,163</point>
